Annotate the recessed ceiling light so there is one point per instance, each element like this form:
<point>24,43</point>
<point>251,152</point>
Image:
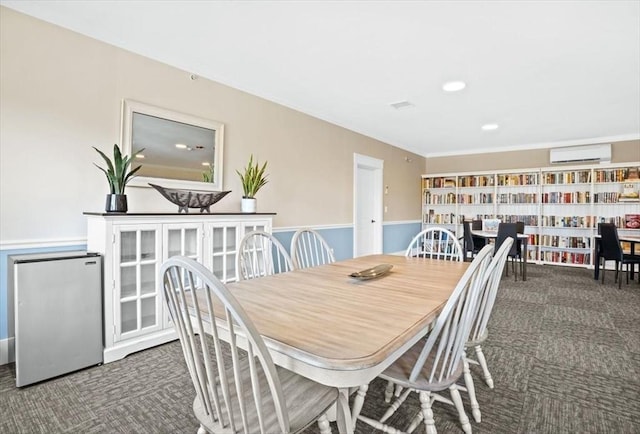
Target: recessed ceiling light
<point>140,156</point>
<point>402,105</point>
<point>453,86</point>
<point>489,127</point>
<point>181,146</point>
<point>206,163</point>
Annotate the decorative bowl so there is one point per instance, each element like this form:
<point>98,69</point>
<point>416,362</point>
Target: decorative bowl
<point>372,273</point>
<point>186,199</point>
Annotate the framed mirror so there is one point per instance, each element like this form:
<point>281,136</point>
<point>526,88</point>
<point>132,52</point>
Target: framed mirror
<point>180,150</point>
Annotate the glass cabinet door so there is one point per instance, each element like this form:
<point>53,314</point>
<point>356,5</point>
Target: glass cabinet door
<point>183,240</point>
<point>137,301</point>
<point>224,239</point>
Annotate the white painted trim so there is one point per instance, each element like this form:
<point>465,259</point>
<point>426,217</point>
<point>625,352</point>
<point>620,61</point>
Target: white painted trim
<point>360,160</point>
<point>7,351</point>
<point>339,226</point>
<point>316,227</point>
<point>401,222</point>
<point>34,244</point>
<point>588,141</point>
<point>66,242</point>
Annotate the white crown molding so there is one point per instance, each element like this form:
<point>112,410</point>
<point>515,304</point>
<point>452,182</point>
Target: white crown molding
<point>589,141</point>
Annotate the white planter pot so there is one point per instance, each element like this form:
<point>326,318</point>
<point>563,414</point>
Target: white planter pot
<point>248,204</point>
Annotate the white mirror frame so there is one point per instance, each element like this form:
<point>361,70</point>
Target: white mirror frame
<point>129,107</point>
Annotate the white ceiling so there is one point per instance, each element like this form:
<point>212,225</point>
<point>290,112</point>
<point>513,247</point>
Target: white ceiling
<point>548,72</point>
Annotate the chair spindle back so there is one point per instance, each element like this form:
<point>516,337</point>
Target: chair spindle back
<point>261,254</point>
<point>309,249</point>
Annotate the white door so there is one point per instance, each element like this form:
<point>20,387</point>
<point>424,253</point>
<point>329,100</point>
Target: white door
<point>367,233</point>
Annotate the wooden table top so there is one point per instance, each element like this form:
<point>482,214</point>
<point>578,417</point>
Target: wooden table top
<point>325,318</point>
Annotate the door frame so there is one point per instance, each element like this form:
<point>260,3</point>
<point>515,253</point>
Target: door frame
<point>377,165</point>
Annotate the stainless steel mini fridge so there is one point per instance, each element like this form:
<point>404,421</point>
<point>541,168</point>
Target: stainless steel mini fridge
<point>57,313</point>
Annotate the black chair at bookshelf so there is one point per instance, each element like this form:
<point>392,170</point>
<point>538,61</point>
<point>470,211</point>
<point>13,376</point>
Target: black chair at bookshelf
<point>469,242</point>
<point>478,242</point>
<point>520,230</point>
<point>611,250</point>
<point>510,230</point>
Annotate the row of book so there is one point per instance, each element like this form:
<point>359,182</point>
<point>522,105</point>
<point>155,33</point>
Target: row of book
<point>439,182</point>
<point>517,198</point>
<point>566,257</point>
<point>569,221</point>
<point>439,199</point>
<point>476,181</point>
<point>567,197</point>
<point>475,198</point>
<point>606,197</point>
<point>628,221</point>
<point>580,197</point>
<point>563,242</point>
<point>528,220</point>
<point>575,177</point>
<point>611,175</point>
<point>521,179</point>
<point>442,219</point>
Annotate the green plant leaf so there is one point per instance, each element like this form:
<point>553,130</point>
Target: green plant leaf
<point>117,172</point>
<point>253,178</point>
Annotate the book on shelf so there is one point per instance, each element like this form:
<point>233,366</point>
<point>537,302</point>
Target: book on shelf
<point>632,221</point>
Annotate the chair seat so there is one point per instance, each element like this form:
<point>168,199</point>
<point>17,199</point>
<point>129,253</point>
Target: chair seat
<point>400,371</point>
<point>305,399</point>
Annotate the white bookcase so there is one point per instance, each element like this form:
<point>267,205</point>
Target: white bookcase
<point>134,247</point>
<point>560,206</point>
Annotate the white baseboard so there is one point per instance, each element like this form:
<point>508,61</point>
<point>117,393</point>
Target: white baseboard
<point>7,351</point>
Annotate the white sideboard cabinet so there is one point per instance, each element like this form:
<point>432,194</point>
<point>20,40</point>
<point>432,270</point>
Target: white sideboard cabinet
<point>134,246</point>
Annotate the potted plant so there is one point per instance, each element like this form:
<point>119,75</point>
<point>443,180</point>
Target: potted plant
<point>253,179</point>
<point>118,175</point>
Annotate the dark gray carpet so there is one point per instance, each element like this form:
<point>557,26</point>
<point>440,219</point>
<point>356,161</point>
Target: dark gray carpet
<point>563,349</point>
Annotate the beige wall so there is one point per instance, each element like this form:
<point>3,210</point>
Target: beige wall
<point>620,152</point>
<point>61,95</point>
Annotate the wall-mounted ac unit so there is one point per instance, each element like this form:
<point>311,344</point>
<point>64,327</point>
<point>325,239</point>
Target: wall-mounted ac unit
<point>575,154</point>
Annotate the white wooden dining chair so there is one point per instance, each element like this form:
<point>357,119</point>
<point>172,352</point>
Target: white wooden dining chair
<point>261,254</point>
<point>435,364</point>
<point>479,328</point>
<point>309,249</point>
<point>239,390</point>
<point>436,243</point>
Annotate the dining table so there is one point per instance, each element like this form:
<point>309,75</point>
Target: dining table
<point>343,331</point>
<point>492,235</point>
<point>631,239</point>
